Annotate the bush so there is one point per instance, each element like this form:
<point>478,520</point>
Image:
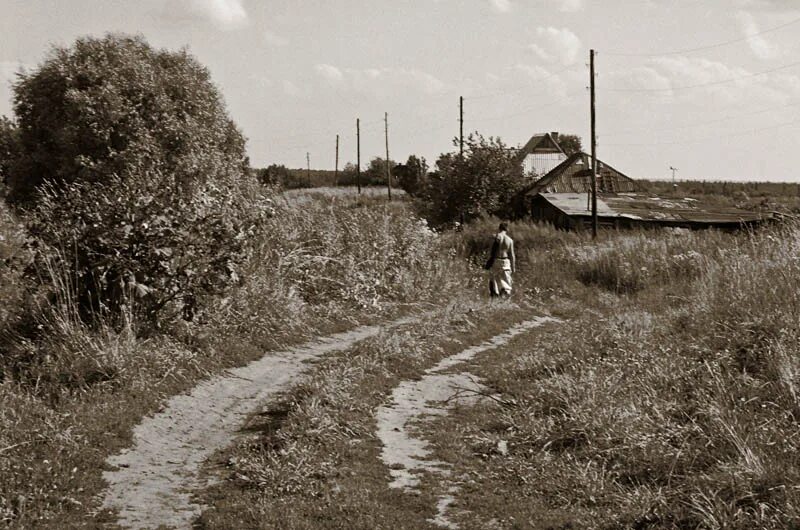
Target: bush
<point>482,182</point>
<point>143,240</point>
<point>134,177</point>
<point>116,106</point>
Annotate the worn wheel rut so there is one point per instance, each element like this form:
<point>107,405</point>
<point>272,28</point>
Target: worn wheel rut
<point>406,453</point>
<point>152,482</point>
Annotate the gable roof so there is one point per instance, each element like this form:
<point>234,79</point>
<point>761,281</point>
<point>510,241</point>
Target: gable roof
<point>543,143</point>
<point>573,175</point>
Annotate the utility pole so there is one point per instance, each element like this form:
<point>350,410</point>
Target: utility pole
<point>336,168</point>
<point>358,154</point>
<point>594,146</point>
<point>308,167</point>
<point>461,126</point>
<point>674,169</point>
<point>388,170</point>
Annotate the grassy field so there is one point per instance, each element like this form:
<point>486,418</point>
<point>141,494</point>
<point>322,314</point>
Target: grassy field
<point>666,399</point>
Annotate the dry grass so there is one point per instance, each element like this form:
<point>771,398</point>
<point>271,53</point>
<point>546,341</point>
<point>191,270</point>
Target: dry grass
<point>672,404</point>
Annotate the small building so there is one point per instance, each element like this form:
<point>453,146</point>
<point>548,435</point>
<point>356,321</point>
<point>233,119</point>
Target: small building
<point>563,197</point>
<point>541,154</point>
<point>573,211</point>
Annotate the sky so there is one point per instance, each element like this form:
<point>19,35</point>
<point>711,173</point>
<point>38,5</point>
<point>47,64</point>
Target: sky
<point>710,87</point>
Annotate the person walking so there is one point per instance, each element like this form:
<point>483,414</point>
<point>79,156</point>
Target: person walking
<point>502,264</point>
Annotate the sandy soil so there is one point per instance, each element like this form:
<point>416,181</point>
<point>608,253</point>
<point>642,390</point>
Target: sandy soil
<point>152,482</point>
<point>404,452</point>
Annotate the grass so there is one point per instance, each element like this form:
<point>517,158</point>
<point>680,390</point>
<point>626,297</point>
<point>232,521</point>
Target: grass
<point>671,405</point>
<point>668,400</point>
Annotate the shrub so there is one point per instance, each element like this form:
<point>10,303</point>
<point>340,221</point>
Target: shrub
<point>482,182</point>
<point>144,240</point>
<point>134,176</point>
<point>116,106</point>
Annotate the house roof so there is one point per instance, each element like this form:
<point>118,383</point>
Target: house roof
<point>543,143</point>
<point>647,208</point>
<point>573,175</point>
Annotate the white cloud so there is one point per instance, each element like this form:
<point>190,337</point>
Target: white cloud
<point>556,45</point>
<point>711,83</point>
<point>226,14</point>
<point>501,6</point>
<point>569,6</point>
<point>273,39</point>
<point>381,80</point>
<point>329,72</point>
<point>762,48</point>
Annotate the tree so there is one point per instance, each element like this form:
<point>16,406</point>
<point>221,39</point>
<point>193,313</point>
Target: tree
<point>116,106</point>
<point>134,176</point>
<point>570,143</point>
<point>411,175</point>
<point>375,174</point>
<point>273,175</point>
<point>482,182</point>
<point>9,147</point>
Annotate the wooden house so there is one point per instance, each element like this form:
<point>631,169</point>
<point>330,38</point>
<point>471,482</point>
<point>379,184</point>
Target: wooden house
<point>540,154</point>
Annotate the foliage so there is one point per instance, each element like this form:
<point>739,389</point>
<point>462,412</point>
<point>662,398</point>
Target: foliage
<point>273,175</point>
<point>333,257</point>
<point>133,175</point>
<point>570,143</point>
<point>9,147</point>
<point>115,106</point>
<point>411,176</point>
<point>147,241</point>
<point>482,182</point>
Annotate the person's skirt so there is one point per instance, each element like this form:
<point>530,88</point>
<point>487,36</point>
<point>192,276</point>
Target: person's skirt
<point>500,279</point>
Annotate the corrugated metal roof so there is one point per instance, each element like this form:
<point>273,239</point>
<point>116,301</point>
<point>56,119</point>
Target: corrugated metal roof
<point>648,208</point>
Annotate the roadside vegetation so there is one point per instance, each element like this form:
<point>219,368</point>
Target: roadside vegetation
<point>129,273</point>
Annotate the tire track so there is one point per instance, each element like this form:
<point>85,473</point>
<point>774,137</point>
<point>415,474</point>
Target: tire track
<point>152,481</point>
<point>411,401</point>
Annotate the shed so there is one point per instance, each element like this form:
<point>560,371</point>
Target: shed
<point>572,211</point>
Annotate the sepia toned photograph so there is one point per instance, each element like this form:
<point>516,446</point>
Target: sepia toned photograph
<point>422,264</point>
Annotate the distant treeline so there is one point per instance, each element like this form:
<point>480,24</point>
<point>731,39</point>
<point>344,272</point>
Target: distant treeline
<point>407,176</point>
<point>702,187</point>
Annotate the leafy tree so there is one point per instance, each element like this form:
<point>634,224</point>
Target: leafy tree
<point>375,173</point>
<point>411,175</point>
<point>134,176</point>
<point>273,175</point>
<point>482,182</point>
<point>116,106</point>
<point>9,147</point>
<point>570,143</point>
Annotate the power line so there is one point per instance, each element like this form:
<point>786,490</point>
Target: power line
<point>717,137</point>
<point>703,48</point>
<point>710,83</point>
<point>703,123</point>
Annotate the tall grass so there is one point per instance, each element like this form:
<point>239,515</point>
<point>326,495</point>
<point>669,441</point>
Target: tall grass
<point>670,402</point>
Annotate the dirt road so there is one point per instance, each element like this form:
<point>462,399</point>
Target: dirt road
<point>153,481</point>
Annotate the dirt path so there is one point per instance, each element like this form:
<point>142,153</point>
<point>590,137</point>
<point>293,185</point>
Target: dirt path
<point>412,401</point>
<point>153,481</point>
